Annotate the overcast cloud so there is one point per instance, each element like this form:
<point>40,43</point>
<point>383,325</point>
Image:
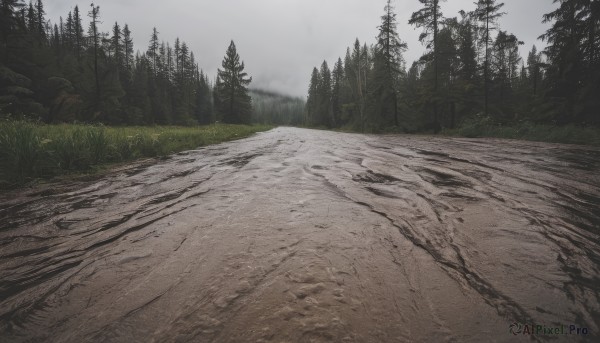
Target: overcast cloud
<point>282,40</point>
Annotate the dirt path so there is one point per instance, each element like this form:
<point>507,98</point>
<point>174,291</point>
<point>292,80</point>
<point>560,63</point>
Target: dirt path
<point>310,236</point>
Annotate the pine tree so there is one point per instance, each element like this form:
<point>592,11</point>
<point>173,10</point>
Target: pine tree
<point>357,71</point>
<point>312,102</point>
<point>505,62</point>
<point>117,47</point>
<point>390,49</point>
<point>534,61</point>
<point>61,30</point>
<point>170,64</point>
<point>40,21</point>
<point>56,42</point>
<point>235,103</point>
<point>203,100</point>
<point>31,19</point>
<point>573,72</point>
<point>69,30</point>
<point>217,99</point>
<point>95,38</point>
<point>324,97</point>
<point>153,51</point>
<point>487,12</point>
<point>429,18</point>
<point>127,48</point>
<point>177,53</point>
<point>337,84</point>
<point>8,21</point>
<point>78,30</point>
<point>466,49</point>
<point>162,62</point>
<point>448,69</point>
<point>183,62</point>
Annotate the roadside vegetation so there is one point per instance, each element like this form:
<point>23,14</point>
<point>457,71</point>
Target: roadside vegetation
<point>482,127</point>
<point>569,134</point>
<point>30,151</point>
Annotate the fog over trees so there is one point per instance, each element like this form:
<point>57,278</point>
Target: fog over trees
<point>66,70</point>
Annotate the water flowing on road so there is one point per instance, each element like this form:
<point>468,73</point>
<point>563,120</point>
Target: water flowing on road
<point>300,235</point>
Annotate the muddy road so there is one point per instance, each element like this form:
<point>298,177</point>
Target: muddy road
<point>310,236</point>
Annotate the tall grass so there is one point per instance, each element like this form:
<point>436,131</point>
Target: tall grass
<point>20,150</point>
<point>29,151</point>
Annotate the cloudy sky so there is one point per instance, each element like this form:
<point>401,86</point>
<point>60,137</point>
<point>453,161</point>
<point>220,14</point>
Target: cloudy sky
<point>282,40</point>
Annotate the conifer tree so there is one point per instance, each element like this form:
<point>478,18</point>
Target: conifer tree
<point>324,96</point>
<point>357,77</point>
<point>534,61</point>
<point>487,13</point>
<point>390,49</point>
<point>31,19</point>
<point>183,63</point>
<point>127,48</point>
<point>573,69</point>
<point>117,47</point>
<point>337,84</point>
<point>234,101</point>
<point>170,63</point>
<point>40,21</point>
<point>466,49</point>
<point>95,38</point>
<point>429,18</point>
<point>312,102</point>
<point>505,61</point>
<point>203,99</point>
<point>153,50</point>
<point>56,42</point>
<point>217,99</point>
<point>78,30</point>
<point>8,21</point>
<point>69,30</point>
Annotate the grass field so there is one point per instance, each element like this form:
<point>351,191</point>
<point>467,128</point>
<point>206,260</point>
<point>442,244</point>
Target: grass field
<point>30,151</point>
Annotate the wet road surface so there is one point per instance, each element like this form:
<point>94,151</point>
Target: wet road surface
<point>311,236</point>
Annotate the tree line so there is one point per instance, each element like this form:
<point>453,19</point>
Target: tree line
<point>472,70</point>
<point>65,72</point>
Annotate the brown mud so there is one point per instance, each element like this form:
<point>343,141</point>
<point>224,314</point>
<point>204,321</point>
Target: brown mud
<point>310,236</point>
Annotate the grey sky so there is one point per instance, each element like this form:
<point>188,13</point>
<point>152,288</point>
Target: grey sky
<point>282,40</point>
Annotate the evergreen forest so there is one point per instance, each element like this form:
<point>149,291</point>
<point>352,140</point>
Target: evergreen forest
<point>472,71</point>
